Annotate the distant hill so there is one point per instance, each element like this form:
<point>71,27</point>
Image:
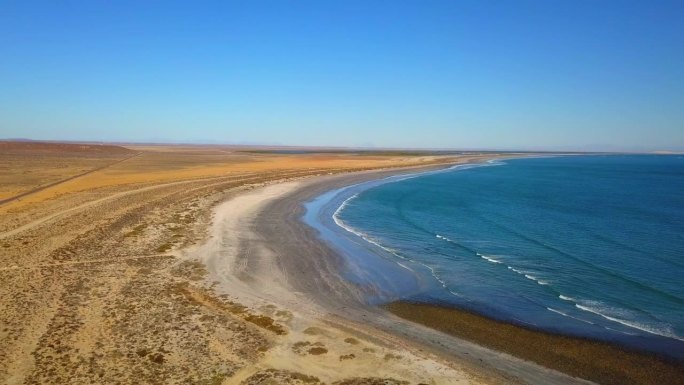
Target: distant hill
<point>11,146</point>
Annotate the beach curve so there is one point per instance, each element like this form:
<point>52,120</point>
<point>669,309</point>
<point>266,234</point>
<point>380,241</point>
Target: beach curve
<point>262,253</point>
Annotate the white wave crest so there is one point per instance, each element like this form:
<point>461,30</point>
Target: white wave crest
<point>405,267</point>
<point>609,313</point>
<point>568,315</point>
<point>360,234</point>
<point>535,279</point>
<point>370,240</point>
<point>344,204</point>
<point>620,331</point>
<point>444,238</point>
<point>489,259</point>
<point>435,275</point>
<point>495,162</point>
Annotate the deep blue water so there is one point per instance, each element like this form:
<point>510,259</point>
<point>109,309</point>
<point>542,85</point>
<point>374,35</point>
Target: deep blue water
<point>586,245</point>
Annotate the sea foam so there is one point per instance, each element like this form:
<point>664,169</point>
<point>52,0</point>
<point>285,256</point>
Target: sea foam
<point>607,312</point>
<point>489,259</point>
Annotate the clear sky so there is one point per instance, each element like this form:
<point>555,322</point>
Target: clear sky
<point>584,74</point>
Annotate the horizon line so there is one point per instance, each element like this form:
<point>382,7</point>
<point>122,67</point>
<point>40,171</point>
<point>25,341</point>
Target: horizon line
<point>569,150</point>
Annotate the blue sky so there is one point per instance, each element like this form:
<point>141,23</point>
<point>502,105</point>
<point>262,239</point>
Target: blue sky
<point>439,74</point>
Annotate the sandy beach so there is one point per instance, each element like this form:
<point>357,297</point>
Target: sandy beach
<point>244,267</point>
<point>262,255</point>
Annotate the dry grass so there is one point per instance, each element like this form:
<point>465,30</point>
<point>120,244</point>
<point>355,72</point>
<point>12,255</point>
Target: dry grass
<point>26,170</point>
<point>20,173</point>
<point>85,294</point>
<point>273,376</point>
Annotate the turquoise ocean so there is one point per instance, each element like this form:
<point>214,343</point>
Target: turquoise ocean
<point>590,246</point>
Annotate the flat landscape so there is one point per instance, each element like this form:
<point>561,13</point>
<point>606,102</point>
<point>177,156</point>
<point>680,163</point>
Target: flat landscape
<point>96,285</point>
<point>342,193</point>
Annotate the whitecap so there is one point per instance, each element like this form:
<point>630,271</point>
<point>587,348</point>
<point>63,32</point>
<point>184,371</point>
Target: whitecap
<point>489,259</point>
<point>405,267</point>
<point>608,313</point>
<point>568,315</point>
<point>435,275</point>
<point>444,238</point>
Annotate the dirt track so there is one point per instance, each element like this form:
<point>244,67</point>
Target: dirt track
<point>53,184</point>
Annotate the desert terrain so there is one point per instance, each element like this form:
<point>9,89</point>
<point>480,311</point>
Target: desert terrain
<point>103,277</point>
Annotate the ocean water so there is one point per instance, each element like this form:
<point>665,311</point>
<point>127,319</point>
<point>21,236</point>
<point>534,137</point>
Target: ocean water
<point>590,246</point>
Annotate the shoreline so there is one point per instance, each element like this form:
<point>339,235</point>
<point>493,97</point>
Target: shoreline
<point>273,256</point>
<point>573,355</point>
<point>603,362</point>
<point>332,202</point>
<point>244,264</point>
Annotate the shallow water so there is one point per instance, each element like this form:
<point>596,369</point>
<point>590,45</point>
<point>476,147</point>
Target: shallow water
<point>590,246</point>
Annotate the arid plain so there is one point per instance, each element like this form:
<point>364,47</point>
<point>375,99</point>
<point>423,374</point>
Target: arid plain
<point>95,285</point>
